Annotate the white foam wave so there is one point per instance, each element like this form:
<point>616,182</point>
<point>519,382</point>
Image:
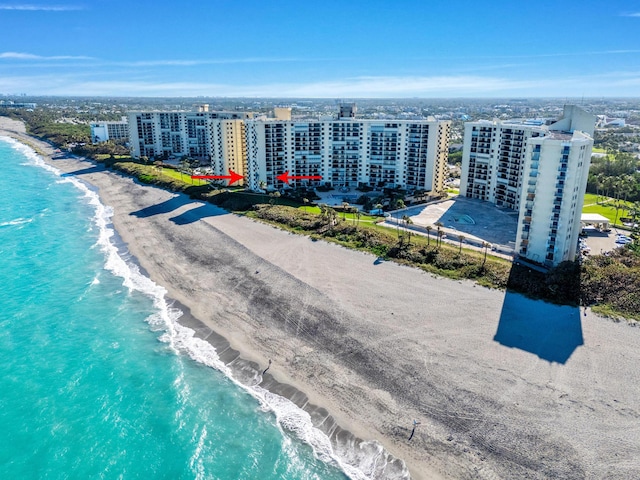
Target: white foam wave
<point>182,340</point>
<point>17,221</point>
<point>196,461</point>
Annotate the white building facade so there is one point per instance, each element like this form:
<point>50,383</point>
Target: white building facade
<point>538,170</point>
<point>556,169</point>
<point>211,137</point>
<point>344,152</point>
<point>105,131</point>
<point>348,153</point>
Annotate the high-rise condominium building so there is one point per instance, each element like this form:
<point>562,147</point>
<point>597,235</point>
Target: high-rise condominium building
<point>212,137</point>
<point>344,152</point>
<point>536,169</point>
<point>347,152</point>
<point>105,131</point>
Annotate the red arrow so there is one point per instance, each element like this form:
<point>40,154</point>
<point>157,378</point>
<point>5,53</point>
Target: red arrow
<point>233,177</point>
<point>285,177</point>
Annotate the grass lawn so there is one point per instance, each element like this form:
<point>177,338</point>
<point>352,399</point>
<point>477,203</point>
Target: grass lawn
<point>598,150</point>
<point>310,209</point>
<point>606,210</point>
<point>169,172</point>
<point>591,199</point>
<point>347,216</point>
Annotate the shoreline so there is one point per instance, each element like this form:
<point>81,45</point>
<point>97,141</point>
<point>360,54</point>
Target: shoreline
<point>378,345</point>
<point>245,371</point>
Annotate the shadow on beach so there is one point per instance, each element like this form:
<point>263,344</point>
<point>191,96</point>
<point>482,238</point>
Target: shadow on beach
<point>549,331</point>
<point>191,215</point>
<point>195,214</point>
<point>160,208</point>
<point>84,171</point>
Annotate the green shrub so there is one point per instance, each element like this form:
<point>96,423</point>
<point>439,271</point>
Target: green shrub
<point>146,178</point>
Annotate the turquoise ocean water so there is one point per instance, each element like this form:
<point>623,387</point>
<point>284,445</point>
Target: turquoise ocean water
<point>98,380</point>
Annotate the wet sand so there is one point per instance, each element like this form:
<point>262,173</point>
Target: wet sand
<point>504,387</point>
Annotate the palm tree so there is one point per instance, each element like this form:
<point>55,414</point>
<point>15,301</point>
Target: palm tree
<point>357,216</point>
<point>608,186</point>
<point>274,197</point>
<point>429,228</point>
<point>486,247</point>
<point>618,206</point>
<point>407,221</point>
<point>439,239</point>
<point>598,185</point>
<point>157,164</point>
<point>629,186</point>
<point>323,211</point>
<point>461,238</point>
<point>305,201</point>
<point>635,212</point>
<point>333,216</point>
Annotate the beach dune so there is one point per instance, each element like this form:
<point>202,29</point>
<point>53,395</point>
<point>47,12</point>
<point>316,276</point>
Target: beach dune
<point>503,386</point>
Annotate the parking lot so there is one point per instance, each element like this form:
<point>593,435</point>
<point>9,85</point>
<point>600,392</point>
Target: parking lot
<point>601,242</point>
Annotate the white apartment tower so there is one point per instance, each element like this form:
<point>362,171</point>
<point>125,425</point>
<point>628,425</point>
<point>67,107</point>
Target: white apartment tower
<point>345,152</point>
<point>348,152</point>
<point>555,175</point>
<point>105,131</point>
<point>213,137</point>
<point>538,170</point>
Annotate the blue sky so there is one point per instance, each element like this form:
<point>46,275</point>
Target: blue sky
<point>322,48</point>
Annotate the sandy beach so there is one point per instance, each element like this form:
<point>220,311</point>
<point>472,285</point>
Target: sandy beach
<point>503,386</point>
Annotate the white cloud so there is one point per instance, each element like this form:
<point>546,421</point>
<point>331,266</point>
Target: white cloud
<point>153,63</point>
<point>350,87</point>
<point>220,61</point>
<point>37,8</point>
<point>31,56</point>
<point>612,84</point>
<point>635,14</point>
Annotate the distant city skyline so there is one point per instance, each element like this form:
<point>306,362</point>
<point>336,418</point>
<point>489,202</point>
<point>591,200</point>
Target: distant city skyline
<point>329,49</point>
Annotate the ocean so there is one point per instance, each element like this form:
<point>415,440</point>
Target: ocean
<point>98,379</point>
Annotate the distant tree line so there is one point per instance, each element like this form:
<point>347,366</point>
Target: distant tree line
<point>616,175</point>
<point>44,124</point>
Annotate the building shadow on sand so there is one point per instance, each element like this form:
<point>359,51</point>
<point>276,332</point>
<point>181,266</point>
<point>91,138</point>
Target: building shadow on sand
<point>84,171</point>
<point>193,213</point>
<point>198,213</point>
<point>160,208</point>
<point>552,332</point>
